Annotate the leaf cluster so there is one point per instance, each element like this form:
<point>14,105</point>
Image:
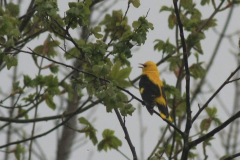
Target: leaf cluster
<point>109,141</point>
<point>206,123</point>
<point>89,130</point>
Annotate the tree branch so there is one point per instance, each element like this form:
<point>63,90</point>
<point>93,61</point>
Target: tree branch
<point>14,120</point>
<point>214,131</point>
<point>79,110</point>
<point>126,134</point>
<point>200,84</point>
<point>159,142</point>
<point>217,91</point>
<point>170,123</point>
<point>188,109</point>
<point>74,68</point>
<point>232,156</point>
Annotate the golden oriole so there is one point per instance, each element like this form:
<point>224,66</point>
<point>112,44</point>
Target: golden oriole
<point>152,89</point>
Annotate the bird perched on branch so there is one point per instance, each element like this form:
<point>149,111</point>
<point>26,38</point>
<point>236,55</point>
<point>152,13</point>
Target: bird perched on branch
<point>152,89</point>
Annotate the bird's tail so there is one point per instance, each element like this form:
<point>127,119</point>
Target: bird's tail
<point>150,109</point>
<point>163,110</point>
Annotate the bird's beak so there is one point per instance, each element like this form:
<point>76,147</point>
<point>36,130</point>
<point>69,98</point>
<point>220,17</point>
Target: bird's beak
<point>142,65</point>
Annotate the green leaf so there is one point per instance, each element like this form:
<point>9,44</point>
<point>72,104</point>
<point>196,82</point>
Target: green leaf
<point>124,73</point>
<point>109,141</point>
<point>124,83</point>
<point>10,43</point>
<point>136,24</point>
<point>197,71</point>
<point>127,109</point>
<point>88,2</point>
<point>95,31</point>
<point>27,81</point>
<point>54,68</point>
<point>171,91</point>
<point>10,61</point>
<point>136,3</point>
<point>29,98</point>
<point>198,48</point>
<point>160,44</point>
<point>217,121</point>
<point>208,110</point>
<point>165,47</point>
<point>209,24</point>
<point>47,48</point>
<point>82,120</point>
<point>49,101</point>
<point>15,33</point>
<point>211,111</point>
<point>194,38</point>
<point>69,90</point>
<point>214,112</point>
<point>107,133</point>
<point>171,21</point>
<point>166,8</point>
<point>13,9</point>
<point>89,130</point>
<point>97,35</point>
<point>15,86</point>
<point>203,2</point>
<point>18,151</point>
<point>21,111</point>
<point>192,155</point>
<point>90,89</point>
<point>52,85</point>
<point>39,80</point>
<point>207,141</point>
<point>97,69</point>
<point>115,70</point>
<point>78,14</point>
<point>101,70</point>
<point>205,124</point>
<point>186,4</point>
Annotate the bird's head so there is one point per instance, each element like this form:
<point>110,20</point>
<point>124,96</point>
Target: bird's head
<point>149,66</point>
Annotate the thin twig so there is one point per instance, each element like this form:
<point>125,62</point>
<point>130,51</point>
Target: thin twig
<point>232,156</point>
<point>217,91</point>
<point>214,131</point>
<point>200,84</point>
<point>127,137</point>
<point>79,110</point>
<point>211,17</point>
<point>14,120</point>
<point>158,143</point>
<point>171,124</point>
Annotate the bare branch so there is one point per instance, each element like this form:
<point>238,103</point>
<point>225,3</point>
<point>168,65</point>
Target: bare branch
<point>214,131</point>
<point>188,109</point>
<point>232,156</point>
<point>126,134</point>
<point>159,142</point>
<point>217,91</point>
<point>170,123</point>
<point>80,109</point>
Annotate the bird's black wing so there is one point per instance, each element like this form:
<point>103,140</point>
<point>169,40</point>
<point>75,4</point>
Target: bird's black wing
<point>149,92</point>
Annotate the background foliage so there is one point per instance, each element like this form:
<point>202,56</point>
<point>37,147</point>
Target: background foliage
<point>78,66</point>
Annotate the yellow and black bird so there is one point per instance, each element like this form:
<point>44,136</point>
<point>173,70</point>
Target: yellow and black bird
<point>152,89</point>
